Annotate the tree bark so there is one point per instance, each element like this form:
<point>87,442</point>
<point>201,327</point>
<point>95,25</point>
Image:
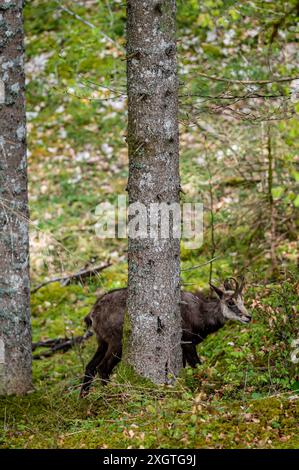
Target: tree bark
<point>15,331</point>
<point>153,140</point>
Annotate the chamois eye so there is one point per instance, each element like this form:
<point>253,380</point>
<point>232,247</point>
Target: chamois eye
<point>230,303</point>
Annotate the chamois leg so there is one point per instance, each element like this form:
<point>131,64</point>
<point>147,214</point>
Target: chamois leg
<point>189,351</point>
<point>111,359</point>
<point>91,368</point>
<point>184,360</point>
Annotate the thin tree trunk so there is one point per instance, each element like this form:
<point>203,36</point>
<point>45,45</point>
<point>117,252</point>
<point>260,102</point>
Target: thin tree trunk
<point>271,163</point>
<point>212,213</point>
<point>153,139</point>
<point>15,331</point>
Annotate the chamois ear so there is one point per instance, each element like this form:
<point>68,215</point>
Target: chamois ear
<point>218,291</point>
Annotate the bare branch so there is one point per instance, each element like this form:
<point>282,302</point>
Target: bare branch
<point>247,82</point>
<point>79,276</point>
<point>201,265</point>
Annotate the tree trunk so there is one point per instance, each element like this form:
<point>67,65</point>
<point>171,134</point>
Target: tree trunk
<point>271,163</point>
<point>15,331</point>
<point>153,139</point>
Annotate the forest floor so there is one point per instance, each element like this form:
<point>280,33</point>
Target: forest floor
<point>246,391</point>
<point>242,395</point>
<point>123,417</point>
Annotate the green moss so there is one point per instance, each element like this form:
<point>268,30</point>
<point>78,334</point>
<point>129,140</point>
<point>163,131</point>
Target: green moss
<point>119,416</point>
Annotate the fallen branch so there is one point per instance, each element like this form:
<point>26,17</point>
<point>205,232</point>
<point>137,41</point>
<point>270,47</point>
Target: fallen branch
<point>76,277</point>
<point>59,345</point>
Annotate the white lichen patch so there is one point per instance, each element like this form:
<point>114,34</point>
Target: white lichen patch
<point>2,351</point>
<point>7,65</point>
<point>15,281</point>
<point>135,63</point>
<point>23,163</point>
<point>21,132</point>
<point>2,92</point>
<point>146,182</point>
<point>163,157</point>
<point>169,128</point>
<point>15,88</point>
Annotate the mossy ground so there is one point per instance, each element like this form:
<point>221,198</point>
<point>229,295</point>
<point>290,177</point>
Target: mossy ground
<point>126,415</point>
<point>243,395</point>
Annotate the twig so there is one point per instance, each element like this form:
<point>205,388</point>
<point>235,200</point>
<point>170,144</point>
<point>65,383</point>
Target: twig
<point>247,82</point>
<point>201,265</point>
<point>110,12</point>
<point>79,276</point>
<point>248,96</point>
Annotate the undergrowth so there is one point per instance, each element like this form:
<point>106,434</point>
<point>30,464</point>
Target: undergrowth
<point>244,394</point>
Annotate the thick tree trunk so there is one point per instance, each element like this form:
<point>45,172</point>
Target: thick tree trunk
<point>153,138</point>
<point>15,332</point>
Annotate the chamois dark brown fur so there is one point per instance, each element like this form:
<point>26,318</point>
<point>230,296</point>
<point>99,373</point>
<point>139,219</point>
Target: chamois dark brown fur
<point>201,316</point>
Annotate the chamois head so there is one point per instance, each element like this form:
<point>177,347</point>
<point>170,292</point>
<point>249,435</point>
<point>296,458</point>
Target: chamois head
<point>231,300</point>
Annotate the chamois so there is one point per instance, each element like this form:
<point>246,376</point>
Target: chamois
<point>201,316</point>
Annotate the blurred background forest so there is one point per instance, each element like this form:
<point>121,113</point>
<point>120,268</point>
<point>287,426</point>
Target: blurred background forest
<point>239,156</point>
